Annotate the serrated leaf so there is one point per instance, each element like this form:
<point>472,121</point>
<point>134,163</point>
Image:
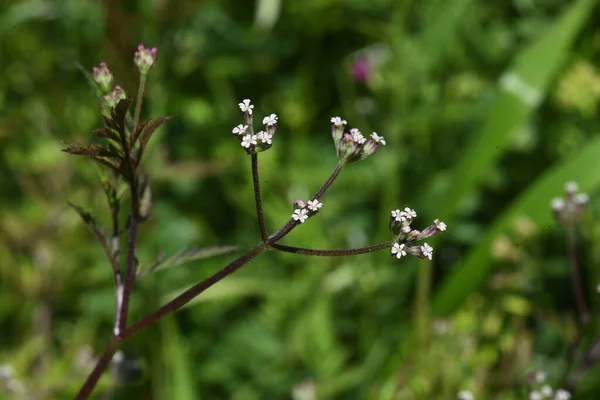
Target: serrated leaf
<point>92,150</point>
<point>117,121</point>
<point>145,133</point>
<point>106,133</point>
<point>186,256</point>
<point>97,233</point>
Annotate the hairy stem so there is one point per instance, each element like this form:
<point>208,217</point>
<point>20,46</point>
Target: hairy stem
<point>138,101</point>
<point>331,253</point>
<point>257,199</point>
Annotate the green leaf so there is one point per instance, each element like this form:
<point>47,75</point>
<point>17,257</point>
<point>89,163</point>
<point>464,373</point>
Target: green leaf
<point>534,204</point>
<point>186,256</point>
<point>523,87</point>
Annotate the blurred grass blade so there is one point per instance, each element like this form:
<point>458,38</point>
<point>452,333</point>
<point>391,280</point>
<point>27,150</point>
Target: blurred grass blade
<point>523,86</point>
<point>186,256</point>
<point>534,204</point>
<point>177,381</point>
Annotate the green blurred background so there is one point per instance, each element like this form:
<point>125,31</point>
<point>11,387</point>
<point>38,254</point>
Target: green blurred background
<point>488,108</point>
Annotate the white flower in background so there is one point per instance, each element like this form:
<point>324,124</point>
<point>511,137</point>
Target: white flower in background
<point>377,138</point>
<point>535,395</point>
<point>300,215</point>
<point>464,395</point>
<point>337,121</point>
<point>314,205</point>
<point>540,377</point>
<point>239,130</point>
<point>547,391</point>
<point>562,394</point>
<point>398,250</point>
<point>248,140</point>
<point>245,106</point>
<point>427,250</point>
<point>270,120</point>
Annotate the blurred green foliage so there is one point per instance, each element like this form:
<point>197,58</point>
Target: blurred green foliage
<point>488,108</point>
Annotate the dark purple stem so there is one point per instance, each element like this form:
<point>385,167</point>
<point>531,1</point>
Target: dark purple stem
<point>257,199</point>
<point>331,253</point>
<point>98,370</point>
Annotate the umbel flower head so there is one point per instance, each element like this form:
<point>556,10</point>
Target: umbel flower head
<point>352,145</point>
<point>400,221</point>
<point>568,209</point>
<point>261,141</point>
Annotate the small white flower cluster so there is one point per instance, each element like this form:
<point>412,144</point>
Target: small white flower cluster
<point>353,146</point>
<point>545,391</point>
<point>464,395</point>
<point>569,208</point>
<point>400,221</point>
<point>302,212</point>
<point>250,141</point>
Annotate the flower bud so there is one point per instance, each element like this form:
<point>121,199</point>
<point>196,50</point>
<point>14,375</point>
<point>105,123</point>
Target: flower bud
<point>103,77</point>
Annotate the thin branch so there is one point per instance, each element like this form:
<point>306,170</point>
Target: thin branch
<point>101,365</point>
<point>331,253</point>
<point>130,262</point>
<point>138,101</point>
<point>194,291</point>
<point>257,199</point>
<point>284,230</point>
<point>578,290</point>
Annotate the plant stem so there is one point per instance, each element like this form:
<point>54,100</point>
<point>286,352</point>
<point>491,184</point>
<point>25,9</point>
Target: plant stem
<point>138,101</point>
<point>194,291</point>
<point>331,253</point>
<point>98,370</point>
<point>257,199</point>
<point>130,267</point>
<point>329,181</point>
<point>184,298</point>
<point>578,290</point>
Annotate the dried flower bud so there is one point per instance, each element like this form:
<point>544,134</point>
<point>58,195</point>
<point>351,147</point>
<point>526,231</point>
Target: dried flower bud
<point>103,77</point>
<point>299,204</point>
<point>145,58</point>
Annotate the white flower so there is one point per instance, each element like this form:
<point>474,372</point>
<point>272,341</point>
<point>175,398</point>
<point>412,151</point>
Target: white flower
<point>558,204</point>
<point>245,106</point>
<point>337,121</point>
<point>398,250</point>
<point>248,140</point>
<point>547,391</point>
<point>300,215</point>
<point>240,129</point>
<point>397,214</point>
<point>562,394</point>
<point>540,376</point>
<point>270,120</point>
<point>465,395</point>
<point>440,225</point>
<point>314,205</point>
<point>535,395</point>
<point>357,136</point>
<point>265,137</point>
<point>427,250</point>
<point>410,212</point>
<point>378,139</point>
